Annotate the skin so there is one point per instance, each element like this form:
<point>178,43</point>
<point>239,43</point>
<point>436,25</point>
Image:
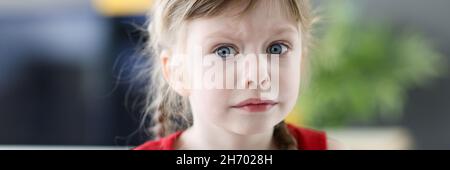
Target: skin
<point>217,124</point>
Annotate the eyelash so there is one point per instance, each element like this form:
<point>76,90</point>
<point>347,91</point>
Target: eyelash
<point>217,47</point>
<point>224,45</point>
<point>288,46</point>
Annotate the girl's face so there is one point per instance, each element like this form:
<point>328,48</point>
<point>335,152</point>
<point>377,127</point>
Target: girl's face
<point>265,29</point>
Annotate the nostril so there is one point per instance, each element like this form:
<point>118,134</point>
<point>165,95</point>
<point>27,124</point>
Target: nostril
<point>251,84</point>
<point>265,84</point>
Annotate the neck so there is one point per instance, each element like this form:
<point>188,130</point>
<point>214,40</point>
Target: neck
<point>215,138</point>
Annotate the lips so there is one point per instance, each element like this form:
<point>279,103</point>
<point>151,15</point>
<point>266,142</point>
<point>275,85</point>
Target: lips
<point>255,105</point>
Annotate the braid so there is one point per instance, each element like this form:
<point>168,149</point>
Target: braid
<point>172,113</point>
<point>283,137</point>
<point>161,124</point>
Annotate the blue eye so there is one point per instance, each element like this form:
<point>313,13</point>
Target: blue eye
<point>225,51</point>
<point>277,48</point>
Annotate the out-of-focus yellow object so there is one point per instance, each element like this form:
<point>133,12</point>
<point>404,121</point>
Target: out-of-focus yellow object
<point>295,117</point>
<point>122,7</point>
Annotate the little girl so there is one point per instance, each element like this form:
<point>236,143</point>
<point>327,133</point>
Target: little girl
<point>250,52</point>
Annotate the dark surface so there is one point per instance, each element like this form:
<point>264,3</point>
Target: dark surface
<point>58,81</point>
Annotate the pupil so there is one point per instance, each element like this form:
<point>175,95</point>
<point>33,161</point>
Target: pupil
<point>223,52</point>
<point>275,49</point>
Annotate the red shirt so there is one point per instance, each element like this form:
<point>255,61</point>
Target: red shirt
<point>307,139</point>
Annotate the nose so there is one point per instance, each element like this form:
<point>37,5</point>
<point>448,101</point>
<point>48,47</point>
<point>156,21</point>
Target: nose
<point>257,73</point>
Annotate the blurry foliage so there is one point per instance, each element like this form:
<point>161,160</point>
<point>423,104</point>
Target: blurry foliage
<point>361,68</point>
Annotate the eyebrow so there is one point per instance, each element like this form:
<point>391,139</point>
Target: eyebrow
<point>284,29</point>
<point>229,34</point>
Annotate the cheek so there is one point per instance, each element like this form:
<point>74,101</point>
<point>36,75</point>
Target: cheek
<point>289,82</point>
<point>289,85</point>
<point>209,103</point>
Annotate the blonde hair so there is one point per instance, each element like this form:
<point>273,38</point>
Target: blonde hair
<point>171,112</point>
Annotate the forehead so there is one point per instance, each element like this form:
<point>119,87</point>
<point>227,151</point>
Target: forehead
<point>272,11</point>
<point>268,16</point>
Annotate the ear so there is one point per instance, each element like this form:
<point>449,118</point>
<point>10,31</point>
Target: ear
<point>173,73</point>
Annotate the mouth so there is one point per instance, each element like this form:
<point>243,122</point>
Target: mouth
<point>255,105</point>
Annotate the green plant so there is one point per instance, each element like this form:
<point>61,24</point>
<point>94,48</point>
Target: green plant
<point>360,68</point>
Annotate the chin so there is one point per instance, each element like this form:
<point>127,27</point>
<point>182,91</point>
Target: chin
<point>244,123</point>
<point>254,127</point>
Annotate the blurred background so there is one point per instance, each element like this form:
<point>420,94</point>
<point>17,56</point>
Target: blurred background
<point>378,77</point>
